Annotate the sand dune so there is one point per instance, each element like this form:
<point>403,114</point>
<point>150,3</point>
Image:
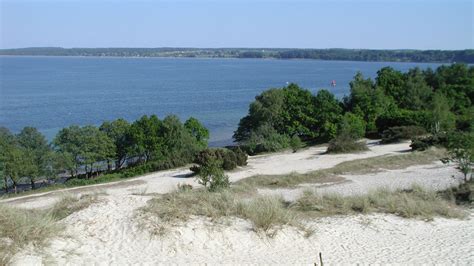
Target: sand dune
<point>107,232</point>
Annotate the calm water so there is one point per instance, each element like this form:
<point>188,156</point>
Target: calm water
<point>54,92</point>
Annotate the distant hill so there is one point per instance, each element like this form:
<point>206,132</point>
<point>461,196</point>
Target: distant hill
<point>428,56</point>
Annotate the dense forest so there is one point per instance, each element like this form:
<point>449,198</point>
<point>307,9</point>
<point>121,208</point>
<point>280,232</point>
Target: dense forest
<point>430,107</point>
<point>460,56</point>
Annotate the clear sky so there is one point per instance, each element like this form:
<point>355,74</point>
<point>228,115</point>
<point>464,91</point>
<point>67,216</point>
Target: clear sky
<point>383,24</point>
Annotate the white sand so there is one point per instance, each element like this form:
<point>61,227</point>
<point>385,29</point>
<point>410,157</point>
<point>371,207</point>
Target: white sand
<point>106,233</point>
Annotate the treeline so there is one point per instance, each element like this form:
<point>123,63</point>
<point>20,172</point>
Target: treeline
<point>118,148</point>
<point>394,104</point>
<point>460,56</point>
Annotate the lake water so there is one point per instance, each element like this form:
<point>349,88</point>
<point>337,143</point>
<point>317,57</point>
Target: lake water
<point>50,93</point>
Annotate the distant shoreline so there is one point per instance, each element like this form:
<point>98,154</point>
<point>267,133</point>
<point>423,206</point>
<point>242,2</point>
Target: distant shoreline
<point>336,54</point>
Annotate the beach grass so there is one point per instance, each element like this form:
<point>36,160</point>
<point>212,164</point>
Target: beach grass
<point>20,227</point>
<point>269,214</point>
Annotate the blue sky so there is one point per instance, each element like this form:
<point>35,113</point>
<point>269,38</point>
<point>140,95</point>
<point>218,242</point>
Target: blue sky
<point>383,24</point>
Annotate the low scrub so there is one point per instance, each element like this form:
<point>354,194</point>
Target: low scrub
<point>397,134</point>
<point>422,143</point>
<point>346,144</point>
<point>20,227</point>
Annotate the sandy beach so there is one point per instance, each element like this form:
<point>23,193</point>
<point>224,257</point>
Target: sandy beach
<point>106,233</point>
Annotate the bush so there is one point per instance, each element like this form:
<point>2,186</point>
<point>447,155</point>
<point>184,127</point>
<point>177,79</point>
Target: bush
<point>396,134</point>
<point>229,159</point>
<point>296,143</point>
<point>423,143</point>
<point>345,144</point>
<point>240,155</point>
<point>211,175</point>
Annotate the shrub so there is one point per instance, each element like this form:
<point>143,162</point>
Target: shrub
<point>241,156</point>
<point>229,159</point>
<point>296,143</point>
<point>345,144</point>
<point>211,175</point>
<point>395,134</point>
<point>424,142</point>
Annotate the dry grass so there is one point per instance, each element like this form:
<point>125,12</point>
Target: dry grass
<point>20,227</point>
<point>266,214</point>
<point>269,214</point>
<point>413,203</point>
<point>360,166</point>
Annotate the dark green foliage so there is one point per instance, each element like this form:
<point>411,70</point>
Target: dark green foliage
<point>402,117</point>
<point>345,144</point>
<point>424,142</point>
<point>351,125</point>
<point>368,101</point>
<point>229,159</point>
<point>396,134</point>
<point>265,139</point>
<point>198,131</point>
<point>211,175</point>
<point>328,113</point>
<point>86,153</point>
<point>296,143</point>
<point>277,114</point>
<point>117,130</point>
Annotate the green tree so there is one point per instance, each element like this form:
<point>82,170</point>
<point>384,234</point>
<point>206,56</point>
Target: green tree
<point>198,131</point>
<point>117,130</point>
<point>37,153</point>
<point>146,138</point>
<point>416,93</point>
<point>367,101</point>
<point>266,109</point>
<point>327,113</point>
<point>392,82</point>
<point>298,113</point>
<point>351,125</point>
<point>442,119</point>
<point>7,142</point>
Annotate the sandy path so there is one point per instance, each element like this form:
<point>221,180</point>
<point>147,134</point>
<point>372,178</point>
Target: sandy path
<point>303,161</point>
<point>105,233</point>
<point>434,176</point>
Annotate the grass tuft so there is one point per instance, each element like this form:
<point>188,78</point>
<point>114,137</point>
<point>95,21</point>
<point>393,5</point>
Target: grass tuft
<point>20,227</point>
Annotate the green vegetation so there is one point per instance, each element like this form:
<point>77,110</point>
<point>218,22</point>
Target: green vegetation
<point>396,134</point>
<point>346,144</point>
<point>19,227</point>
<point>466,56</point>
<point>395,106</point>
<point>91,155</point>
<point>228,159</point>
